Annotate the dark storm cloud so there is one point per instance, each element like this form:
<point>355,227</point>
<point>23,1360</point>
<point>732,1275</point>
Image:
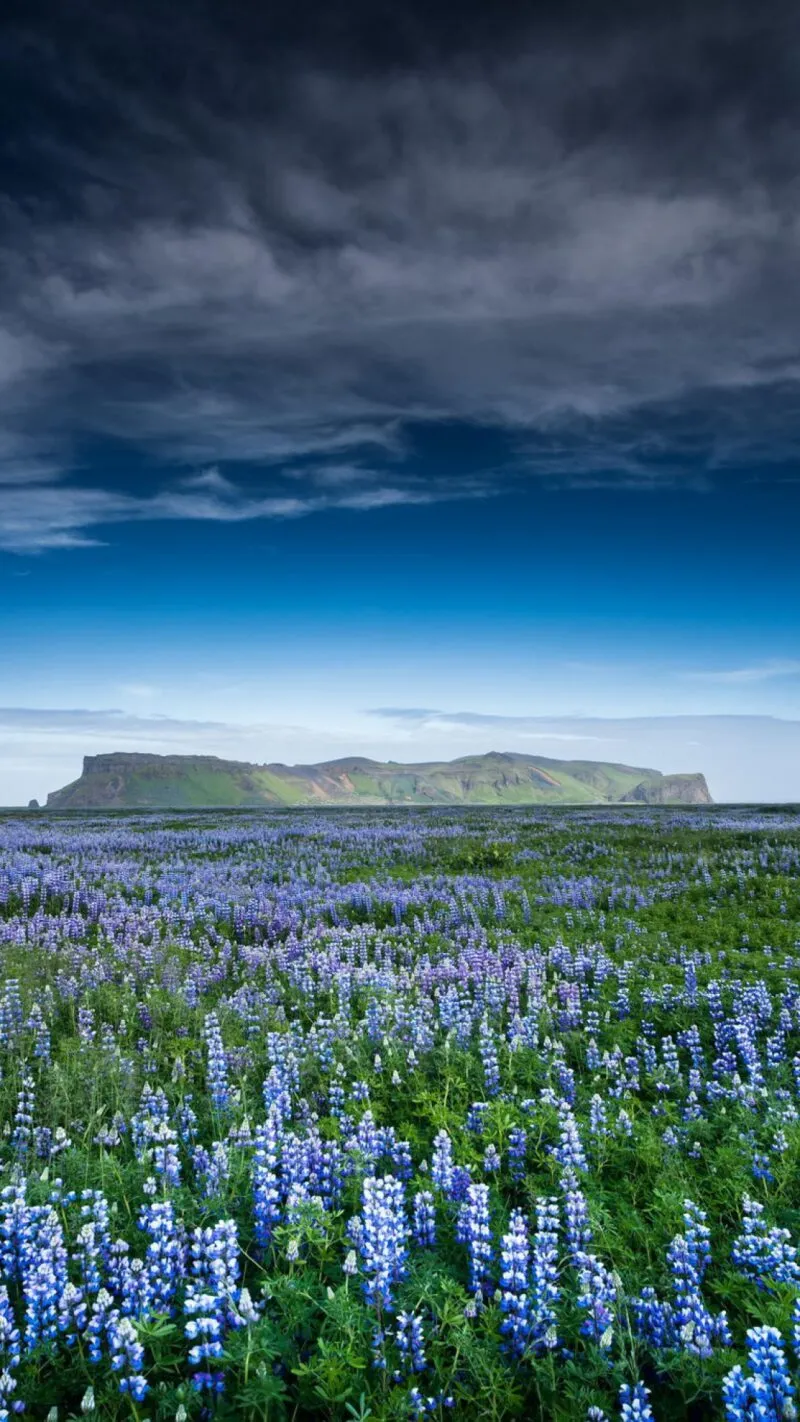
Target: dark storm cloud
<point>230,241</point>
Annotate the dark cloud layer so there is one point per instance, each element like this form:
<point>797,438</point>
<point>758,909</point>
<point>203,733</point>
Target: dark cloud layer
<point>288,244</point>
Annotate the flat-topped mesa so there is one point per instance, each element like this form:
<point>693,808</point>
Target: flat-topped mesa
<point>138,780</point>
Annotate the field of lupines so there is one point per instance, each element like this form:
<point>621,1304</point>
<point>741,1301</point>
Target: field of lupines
<point>399,1115</point>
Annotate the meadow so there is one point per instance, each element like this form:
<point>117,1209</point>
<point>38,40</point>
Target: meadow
<point>395,1115</point>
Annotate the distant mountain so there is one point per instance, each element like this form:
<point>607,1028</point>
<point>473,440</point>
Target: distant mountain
<point>134,781</point>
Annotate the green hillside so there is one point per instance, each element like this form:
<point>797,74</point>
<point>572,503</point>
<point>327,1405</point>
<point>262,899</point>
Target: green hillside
<point>130,781</point>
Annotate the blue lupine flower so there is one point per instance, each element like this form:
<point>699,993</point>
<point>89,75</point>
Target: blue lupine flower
<point>517,1148</point>
<point>545,1291</point>
<point>765,1395</point>
<point>97,1324</point>
<point>217,1064</point>
<point>165,1259</point>
<point>212,1170</point>
<point>635,1403</point>
<point>597,1298</point>
<point>598,1117</point>
<point>476,1117</point>
<point>579,1233</point>
<point>410,1339</point>
<point>266,1191</point>
<point>442,1163</point>
<point>763,1253</point>
<point>164,1149</point>
<point>424,1219</point>
<point>384,1237</point>
<point>93,1244</point>
<point>213,1299</point>
<point>762,1170</point>
<point>474,1230</point>
<point>22,1134</point>
<point>127,1356</point>
<point>688,1257</point>
<point>44,1275</point>
<point>9,1356</point>
<point>401,1160</point>
<point>515,1266</point>
<point>491,1160</point>
<point>491,1066</point>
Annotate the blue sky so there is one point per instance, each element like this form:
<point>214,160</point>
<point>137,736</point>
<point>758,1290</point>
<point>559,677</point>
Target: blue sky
<point>286,637</point>
<point>449,375</point>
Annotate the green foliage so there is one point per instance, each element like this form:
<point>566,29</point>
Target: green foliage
<point>166,947</point>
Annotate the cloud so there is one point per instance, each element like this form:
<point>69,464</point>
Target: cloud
<point>82,721</point>
<point>447,720</point>
<point>39,516</point>
<point>297,253</point>
<point>740,676</point>
<point>141,690</point>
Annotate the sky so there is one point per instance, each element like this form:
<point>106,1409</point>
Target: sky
<point>400,380</point>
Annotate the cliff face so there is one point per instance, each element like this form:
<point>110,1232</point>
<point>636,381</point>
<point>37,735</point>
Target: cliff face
<point>128,780</point>
<point>671,790</point>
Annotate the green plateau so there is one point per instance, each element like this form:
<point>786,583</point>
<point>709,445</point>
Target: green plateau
<point>123,780</point>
